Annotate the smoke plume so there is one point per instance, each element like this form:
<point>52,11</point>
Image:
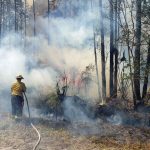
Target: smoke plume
<point>70,50</point>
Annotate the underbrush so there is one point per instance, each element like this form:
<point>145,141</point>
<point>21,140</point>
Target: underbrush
<point>48,103</point>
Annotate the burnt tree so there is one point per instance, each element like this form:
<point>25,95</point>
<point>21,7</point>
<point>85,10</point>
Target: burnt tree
<point>1,20</point>
<point>146,73</point>
<point>34,19</point>
<point>96,67</point>
<point>115,48</point>
<point>137,51</point>
<point>103,65</point>
<point>111,16</point>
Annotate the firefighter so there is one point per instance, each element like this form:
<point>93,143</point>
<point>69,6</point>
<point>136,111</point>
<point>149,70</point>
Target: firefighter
<point>17,101</point>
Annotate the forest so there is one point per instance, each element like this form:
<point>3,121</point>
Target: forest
<point>86,67</point>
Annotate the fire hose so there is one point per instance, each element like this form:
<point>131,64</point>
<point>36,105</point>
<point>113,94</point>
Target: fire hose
<point>39,136</point>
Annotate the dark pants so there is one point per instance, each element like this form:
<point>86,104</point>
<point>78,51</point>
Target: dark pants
<point>17,105</point>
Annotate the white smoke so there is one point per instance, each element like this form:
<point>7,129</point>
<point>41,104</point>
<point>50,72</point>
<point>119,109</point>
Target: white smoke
<point>70,48</point>
<point>73,112</point>
<point>116,119</point>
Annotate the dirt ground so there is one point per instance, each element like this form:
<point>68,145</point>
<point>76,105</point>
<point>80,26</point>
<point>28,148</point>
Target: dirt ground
<point>62,136</point>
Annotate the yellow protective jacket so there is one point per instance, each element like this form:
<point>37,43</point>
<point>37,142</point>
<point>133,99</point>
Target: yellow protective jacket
<point>18,88</point>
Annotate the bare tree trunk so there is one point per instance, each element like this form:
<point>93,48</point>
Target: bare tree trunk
<point>34,19</point>
<point>102,52</point>
<point>147,69</point>
<point>111,50</point>
<point>137,51</point>
<point>25,22</point>
<point>0,21</point>
<point>16,21</point>
<point>97,75</point>
<point>21,21</point>
<point>17,14</point>
<point>21,16</point>
<point>116,49</point>
<point>4,17</point>
<point>9,13</point>
<point>115,74</point>
<point>48,20</point>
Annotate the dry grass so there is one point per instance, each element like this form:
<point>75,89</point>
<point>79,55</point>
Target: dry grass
<point>22,137</point>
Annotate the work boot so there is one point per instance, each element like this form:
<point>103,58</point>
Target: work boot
<point>18,119</point>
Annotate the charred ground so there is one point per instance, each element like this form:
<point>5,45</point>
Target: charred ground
<point>61,135</point>
<point>107,128</point>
